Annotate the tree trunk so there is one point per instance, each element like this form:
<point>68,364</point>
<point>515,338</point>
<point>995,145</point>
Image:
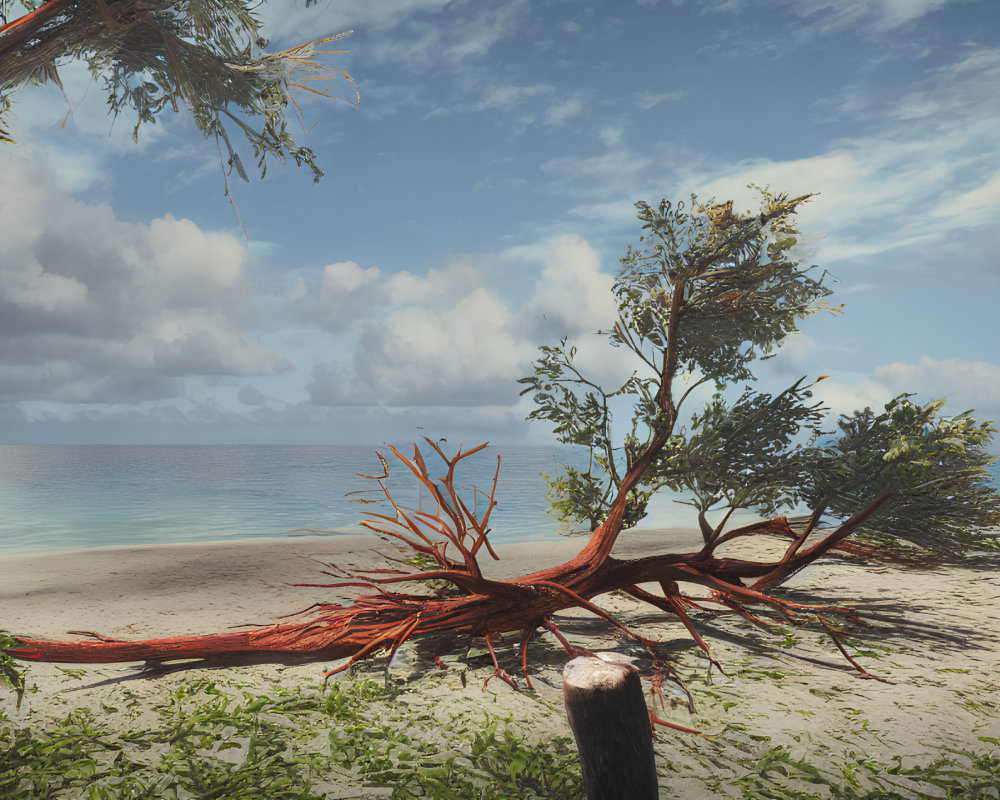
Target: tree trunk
<point>611,725</point>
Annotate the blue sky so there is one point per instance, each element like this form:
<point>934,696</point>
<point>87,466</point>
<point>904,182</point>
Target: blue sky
<point>475,205</point>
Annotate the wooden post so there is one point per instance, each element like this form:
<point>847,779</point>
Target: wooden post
<point>610,723</point>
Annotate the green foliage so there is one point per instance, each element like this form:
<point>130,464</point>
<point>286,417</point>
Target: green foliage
<point>776,775</point>
<point>508,767</point>
<point>709,294</point>
<point>935,467</point>
<point>11,670</point>
<point>5,136</point>
<point>748,454</point>
<point>579,411</point>
<point>728,284</point>
<point>207,56</point>
<point>214,738</point>
<point>212,741</point>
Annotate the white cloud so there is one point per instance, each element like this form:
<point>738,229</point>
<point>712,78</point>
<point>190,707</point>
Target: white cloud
<point>448,337</point>
<point>975,208</point>
<point>964,88</point>
<point>438,288</point>
<point>298,23</point>
<point>894,13</point>
<point>611,134</point>
<point>562,112</point>
<point>966,384</point>
<point>346,276</point>
<point>648,100</point>
<point>873,195</point>
<point>795,358</point>
<point>802,22</point>
<point>572,296</point>
<point>93,309</point>
<point>458,33</point>
<point>846,398</point>
<point>620,173</point>
<point>462,356</point>
<point>507,96</point>
<point>71,130</point>
<point>349,292</point>
<point>476,35</point>
<point>912,180</point>
<point>450,40</point>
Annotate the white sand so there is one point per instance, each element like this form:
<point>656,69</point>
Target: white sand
<point>944,665</point>
<point>133,592</point>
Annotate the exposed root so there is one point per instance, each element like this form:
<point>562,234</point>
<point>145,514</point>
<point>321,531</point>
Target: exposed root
<point>655,720</point>
<point>498,671</point>
<point>526,637</point>
<point>836,640</point>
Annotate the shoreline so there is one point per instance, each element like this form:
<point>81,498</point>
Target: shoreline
<point>332,534</point>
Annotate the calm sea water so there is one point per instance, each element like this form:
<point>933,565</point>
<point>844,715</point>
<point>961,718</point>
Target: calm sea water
<point>55,497</point>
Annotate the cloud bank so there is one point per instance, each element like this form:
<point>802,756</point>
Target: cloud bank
<point>450,337</point>
<point>96,310</point>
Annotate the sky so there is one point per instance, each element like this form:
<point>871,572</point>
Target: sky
<point>475,205</point>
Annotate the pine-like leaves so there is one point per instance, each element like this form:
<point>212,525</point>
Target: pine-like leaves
<point>207,56</point>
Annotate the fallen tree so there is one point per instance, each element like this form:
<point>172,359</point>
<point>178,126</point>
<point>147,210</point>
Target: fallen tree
<point>709,294</point>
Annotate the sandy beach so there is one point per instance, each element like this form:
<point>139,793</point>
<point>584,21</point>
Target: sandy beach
<point>132,592</point>
<point>937,648</point>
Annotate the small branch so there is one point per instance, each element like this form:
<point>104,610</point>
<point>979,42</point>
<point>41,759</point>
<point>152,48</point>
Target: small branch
<point>778,526</point>
<point>586,604</point>
<point>498,672</point>
<point>92,635</point>
<point>784,570</point>
<point>793,548</point>
<point>399,641</point>
<point>714,539</point>
<point>571,650</point>
<point>654,720</point>
<point>690,389</point>
<point>526,637</point>
<point>664,399</point>
<point>670,603</point>
<point>836,640</point>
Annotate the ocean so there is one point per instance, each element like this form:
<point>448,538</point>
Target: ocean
<point>61,497</point>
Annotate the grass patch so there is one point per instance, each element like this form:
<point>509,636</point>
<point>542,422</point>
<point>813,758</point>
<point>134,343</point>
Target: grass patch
<point>11,672</point>
<point>213,740</point>
<point>776,775</point>
<point>220,738</point>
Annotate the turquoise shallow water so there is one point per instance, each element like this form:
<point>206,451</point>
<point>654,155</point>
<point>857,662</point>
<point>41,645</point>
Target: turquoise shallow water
<point>55,497</point>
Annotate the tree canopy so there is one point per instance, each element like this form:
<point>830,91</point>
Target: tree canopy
<point>207,56</point>
<point>708,295</point>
